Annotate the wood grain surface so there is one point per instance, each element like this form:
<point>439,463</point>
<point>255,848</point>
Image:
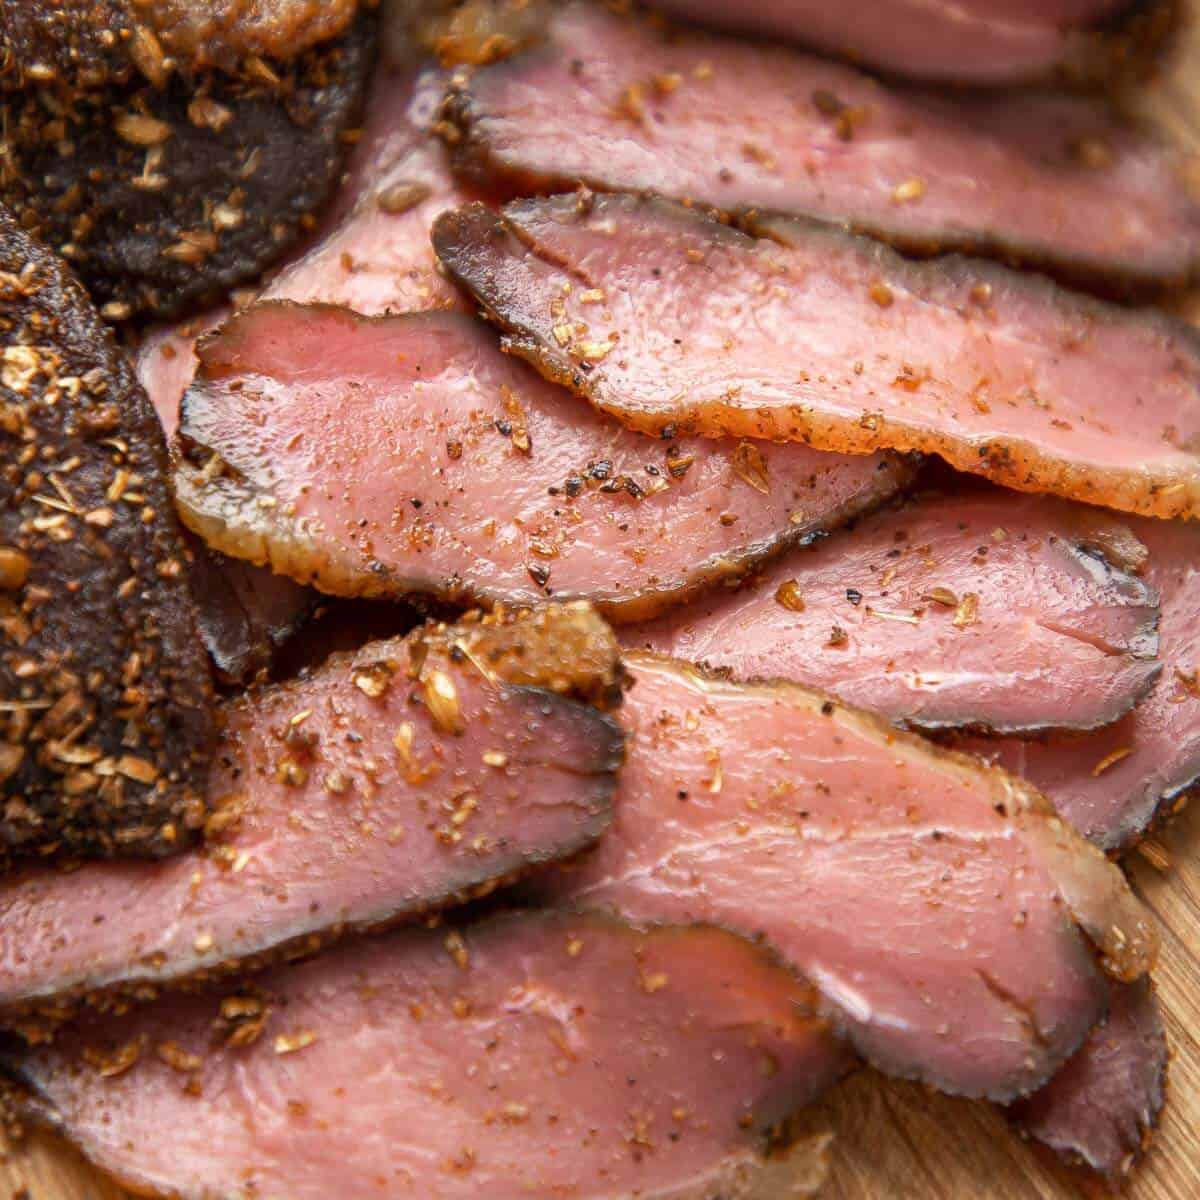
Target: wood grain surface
<point>898,1141</point>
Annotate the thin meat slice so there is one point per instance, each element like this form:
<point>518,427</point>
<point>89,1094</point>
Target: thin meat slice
<point>978,42</point>
<point>818,336</point>
<point>950,921</point>
<point>388,783</point>
<point>408,454</point>
<point>617,103</point>
<point>534,1054</point>
<point>105,698</point>
<point>1114,785</point>
<point>983,611</point>
<point>1100,1111</point>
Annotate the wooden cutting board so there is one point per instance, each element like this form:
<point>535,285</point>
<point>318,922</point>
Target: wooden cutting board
<point>898,1141</point>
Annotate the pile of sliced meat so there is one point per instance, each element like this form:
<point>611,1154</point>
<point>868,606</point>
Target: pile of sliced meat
<point>638,600</point>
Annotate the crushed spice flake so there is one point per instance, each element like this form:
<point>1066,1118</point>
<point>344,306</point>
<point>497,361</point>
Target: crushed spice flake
<point>291,1043</point>
<point>751,467</point>
<point>1111,760</point>
<point>789,596</point>
<point>967,612</point>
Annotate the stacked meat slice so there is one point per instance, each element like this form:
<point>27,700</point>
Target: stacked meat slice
<point>608,322</point>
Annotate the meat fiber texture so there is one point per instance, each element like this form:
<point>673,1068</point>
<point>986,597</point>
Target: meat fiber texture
<point>817,336</point>
<point>1113,785</point>
<point>977,42</point>
<point>379,457</point>
<point>984,611</point>
<point>105,698</point>
<point>537,1054</point>
<point>617,103</point>
<point>958,932</point>
<point>388,783</point>
<point>1100,1111</point>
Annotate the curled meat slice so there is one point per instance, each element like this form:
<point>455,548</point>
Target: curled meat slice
<point>620,104</point>
<point>387,783</point>
<point>949,920</point>
<point>978,42</point>
<point>376,457</point>
<point>105,699</point>
<point>983,611</point>
<point>535,1054</point>
<point>1100,1111</point>
<point>1114,784</point>
<point>822,337</point>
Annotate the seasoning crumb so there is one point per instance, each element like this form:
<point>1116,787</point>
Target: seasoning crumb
<point>290,1043</point>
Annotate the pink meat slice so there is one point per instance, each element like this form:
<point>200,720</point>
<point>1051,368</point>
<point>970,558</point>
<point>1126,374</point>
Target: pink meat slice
<point>949,920</point>
<point>976,41</point>
<point>987,611</point>
<point>345,799</point>
<point>818,336</point>
<point>1114,784</point>
<point>536,1054</point>
<point>377,457</point>
<point>372,252</point>
<point>619,104</point>
<point>1100,1111</point>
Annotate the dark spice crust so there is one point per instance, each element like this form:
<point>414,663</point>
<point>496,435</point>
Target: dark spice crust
<point>105,700</point>
<point>164,198</point>
<point>87,43</point>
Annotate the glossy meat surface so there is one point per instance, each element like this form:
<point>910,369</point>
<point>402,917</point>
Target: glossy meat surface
<point>388,783</point>
<point>1049,179</point>
<point>987,611</point>
<point>1114,784</point>
<point>817,336</point>
<point>948,919</point>
<point>539,1054</point>
<point>979,41</point>
<point>408,454</point>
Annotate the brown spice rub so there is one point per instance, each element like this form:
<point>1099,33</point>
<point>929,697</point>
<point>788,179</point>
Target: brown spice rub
<point>89,42</point>
<point>105,699</point>
<point>163,197</point>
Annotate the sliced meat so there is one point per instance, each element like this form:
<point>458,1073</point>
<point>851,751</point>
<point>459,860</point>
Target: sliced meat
<point>372,252</point>
<point>386,784</point>
<point>618,104</point>
<point>1100,1111</point>
<point>1115,784</point>
<point>978,42</point>
<point>408,454</point>
<point>983,611</point>
<point>944,913</point>
<point>536,1054</point>
<point>836,341</point>
<point>90,42</point>
<point>174,194</point>
<point>105,699</point>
